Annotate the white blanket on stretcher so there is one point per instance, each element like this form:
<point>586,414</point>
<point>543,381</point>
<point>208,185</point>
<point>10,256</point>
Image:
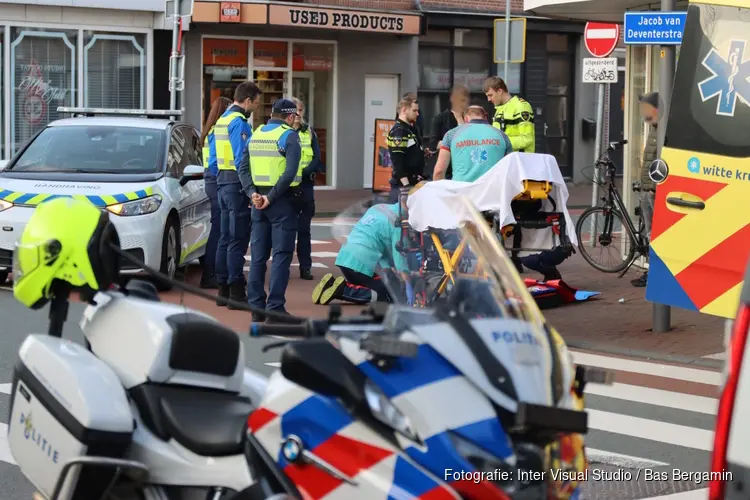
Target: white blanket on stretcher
<point>436,205</point>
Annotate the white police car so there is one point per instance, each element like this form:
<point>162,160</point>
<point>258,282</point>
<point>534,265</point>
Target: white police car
<point>141,166</point>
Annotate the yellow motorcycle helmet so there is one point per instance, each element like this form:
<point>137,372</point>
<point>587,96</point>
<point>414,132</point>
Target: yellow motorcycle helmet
<point>66,241</point>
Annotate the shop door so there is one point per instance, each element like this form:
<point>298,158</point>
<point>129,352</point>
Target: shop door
<point>381,100</point>
<point>549,76</point>
<point>303,87</point>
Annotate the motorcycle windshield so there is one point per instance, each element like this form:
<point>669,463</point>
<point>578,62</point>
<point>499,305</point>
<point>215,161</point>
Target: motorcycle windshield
<point>465,267</point>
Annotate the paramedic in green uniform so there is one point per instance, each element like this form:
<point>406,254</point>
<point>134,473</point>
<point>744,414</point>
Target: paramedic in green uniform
<point>513,115</point>
<point>473,148</point>
<point>372,244</point>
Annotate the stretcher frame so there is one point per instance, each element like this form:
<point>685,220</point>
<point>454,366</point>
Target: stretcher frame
<point>450,261</point>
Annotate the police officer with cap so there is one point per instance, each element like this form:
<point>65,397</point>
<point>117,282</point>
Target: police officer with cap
<point>271,172</point>
<point>310,165</point>
<point>231,133</point>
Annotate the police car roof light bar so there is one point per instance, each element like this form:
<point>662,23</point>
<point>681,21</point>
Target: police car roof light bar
<point>148,113</point>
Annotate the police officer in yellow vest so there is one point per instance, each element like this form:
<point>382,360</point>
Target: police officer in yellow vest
<point>513,115</point>
<point>271,174</point>
<point>231,133</point>
<point>310,164</point>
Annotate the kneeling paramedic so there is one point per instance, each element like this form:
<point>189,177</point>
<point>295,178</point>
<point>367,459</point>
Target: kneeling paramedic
<point>371,244</point>
<point>270,173</point>
<point>230,135</point>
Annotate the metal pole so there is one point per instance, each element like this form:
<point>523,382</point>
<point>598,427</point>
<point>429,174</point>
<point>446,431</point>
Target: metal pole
<point>507,41</point>
<point>597,153</point>
<point>173,61</point>
<point>662,314</point>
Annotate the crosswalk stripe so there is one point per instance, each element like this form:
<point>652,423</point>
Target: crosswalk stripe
<point>5,455</point>
<point>646,368</point>
<point>5,388</point>
<point>652,430</point>
<point>619,460</point>
<point>700,494</point>
<point>658,397</point>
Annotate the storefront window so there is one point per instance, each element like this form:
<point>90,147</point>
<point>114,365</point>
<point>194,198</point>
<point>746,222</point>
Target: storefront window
<point>224,67</point>
<point>710,111</point>
<point>637,87</point>
<point>267,56</point>
<point>478,38</point>
<point>2,98</point>
<point>471,69</point>
<point>434,68</point>
<point>312,83</point>
<point>114,70</point>
<point>43,77</point>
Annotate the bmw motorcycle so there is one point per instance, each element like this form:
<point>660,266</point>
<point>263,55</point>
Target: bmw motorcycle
<point>474,398</point>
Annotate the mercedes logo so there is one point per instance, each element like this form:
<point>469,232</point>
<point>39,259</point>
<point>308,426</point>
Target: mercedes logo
<point>658,171</point>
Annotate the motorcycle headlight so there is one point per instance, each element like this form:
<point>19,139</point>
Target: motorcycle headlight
<point>5,205</point>
<point>383,410</point>
<point>143,206</point>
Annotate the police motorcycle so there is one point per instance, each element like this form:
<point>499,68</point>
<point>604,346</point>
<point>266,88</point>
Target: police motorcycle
<point>157,407</point>
<point>154,409</point>
<point>476,398</point>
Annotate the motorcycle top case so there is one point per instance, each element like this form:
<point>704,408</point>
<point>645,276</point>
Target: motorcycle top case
<point>66,403</point>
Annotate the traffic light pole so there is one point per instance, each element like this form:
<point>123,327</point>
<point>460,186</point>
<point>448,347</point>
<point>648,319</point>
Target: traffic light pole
<point>662,314</point>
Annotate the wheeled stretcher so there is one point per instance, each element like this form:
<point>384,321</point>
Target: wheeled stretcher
<point>523,212</point>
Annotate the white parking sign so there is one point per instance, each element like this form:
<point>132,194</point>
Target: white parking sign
<point>599,70</point>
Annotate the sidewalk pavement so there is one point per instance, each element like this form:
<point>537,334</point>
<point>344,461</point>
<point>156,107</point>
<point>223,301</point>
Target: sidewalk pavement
<point>329,203</point>
<point>619,321</point>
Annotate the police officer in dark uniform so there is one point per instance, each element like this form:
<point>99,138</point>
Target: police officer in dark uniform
<point>310,164</point>
<point>406,149</point>
<point>270,174</point>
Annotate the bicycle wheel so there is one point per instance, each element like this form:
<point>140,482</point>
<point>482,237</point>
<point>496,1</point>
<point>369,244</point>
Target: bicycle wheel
<point>609,238</point>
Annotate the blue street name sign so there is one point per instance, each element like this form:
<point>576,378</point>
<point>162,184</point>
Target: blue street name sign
<point>654,28</point>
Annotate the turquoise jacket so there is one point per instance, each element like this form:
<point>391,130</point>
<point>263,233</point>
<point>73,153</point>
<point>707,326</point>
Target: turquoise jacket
<point>475,148</point>
<point>372,242</point>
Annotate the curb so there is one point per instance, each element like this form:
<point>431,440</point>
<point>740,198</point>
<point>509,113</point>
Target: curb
<point>584,345</point>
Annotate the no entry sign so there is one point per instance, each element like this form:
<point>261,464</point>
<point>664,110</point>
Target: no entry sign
<point>601,38</point>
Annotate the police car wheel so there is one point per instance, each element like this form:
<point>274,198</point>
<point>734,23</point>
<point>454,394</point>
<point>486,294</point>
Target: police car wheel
<point>169,255</point>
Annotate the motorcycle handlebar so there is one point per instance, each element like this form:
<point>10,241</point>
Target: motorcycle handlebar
<point>311,328</point>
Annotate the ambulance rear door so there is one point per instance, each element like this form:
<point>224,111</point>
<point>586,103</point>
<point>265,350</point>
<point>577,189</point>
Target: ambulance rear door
<point>700,238</point>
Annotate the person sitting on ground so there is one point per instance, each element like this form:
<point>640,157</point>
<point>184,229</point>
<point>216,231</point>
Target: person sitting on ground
<point>372,244</point>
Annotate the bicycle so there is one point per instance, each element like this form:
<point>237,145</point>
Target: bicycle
<point>617,221</point>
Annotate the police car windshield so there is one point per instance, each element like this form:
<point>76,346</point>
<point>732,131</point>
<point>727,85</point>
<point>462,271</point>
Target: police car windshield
<point>485,282</point>
<point>93,149</point>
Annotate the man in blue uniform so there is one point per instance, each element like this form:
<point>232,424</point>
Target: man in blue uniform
<point>271,176</point>
<point>231,134</point>
<point>310,164</point>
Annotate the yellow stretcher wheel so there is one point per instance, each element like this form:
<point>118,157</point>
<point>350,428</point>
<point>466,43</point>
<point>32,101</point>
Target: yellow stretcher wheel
<point>535,190</point>
<point>507,231</point>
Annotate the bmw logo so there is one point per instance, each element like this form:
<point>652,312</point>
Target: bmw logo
<point>694,165</point>
<point>658,171</point>
<point>292,448</point>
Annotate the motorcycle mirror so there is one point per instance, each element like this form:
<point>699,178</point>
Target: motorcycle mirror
<point>320,367</point>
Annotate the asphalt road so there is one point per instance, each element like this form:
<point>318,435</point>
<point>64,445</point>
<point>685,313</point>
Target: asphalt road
<point>656,417</point>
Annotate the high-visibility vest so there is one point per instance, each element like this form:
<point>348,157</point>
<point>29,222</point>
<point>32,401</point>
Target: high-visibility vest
<point>207,150</point>
<point>267,164</point>
<point>224,153</point>
<point>305,142</point>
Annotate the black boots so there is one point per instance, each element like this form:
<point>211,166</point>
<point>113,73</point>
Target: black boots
<point>208,282</point>
<point>223,294</point>
<point>305,274</point>
<point>237,293</point>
